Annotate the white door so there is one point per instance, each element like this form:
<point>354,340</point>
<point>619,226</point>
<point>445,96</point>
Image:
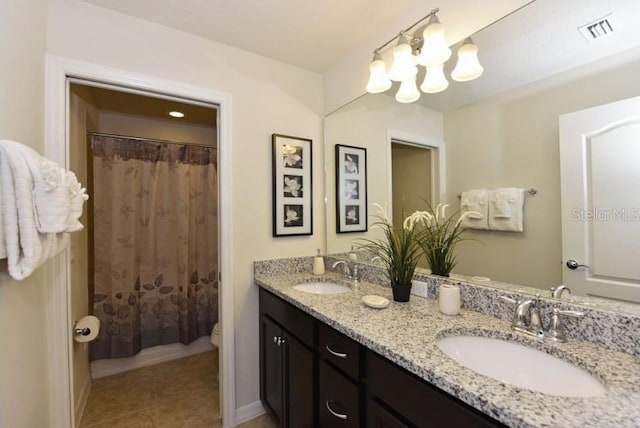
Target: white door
<point>600,176</point>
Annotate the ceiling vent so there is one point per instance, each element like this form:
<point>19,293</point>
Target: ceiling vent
<point>598,29</point>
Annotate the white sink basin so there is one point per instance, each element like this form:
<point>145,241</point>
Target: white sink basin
<point>521,366</point>
<point>322,288</point>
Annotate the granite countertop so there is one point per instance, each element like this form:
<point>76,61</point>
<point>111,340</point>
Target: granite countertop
<point>406,333</point>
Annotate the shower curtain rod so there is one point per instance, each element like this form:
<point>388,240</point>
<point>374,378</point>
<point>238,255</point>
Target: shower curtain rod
<point>151,140</point>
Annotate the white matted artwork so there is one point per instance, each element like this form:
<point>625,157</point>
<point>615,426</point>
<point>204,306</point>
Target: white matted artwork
<point>292,192</point>
<point>351,189</point>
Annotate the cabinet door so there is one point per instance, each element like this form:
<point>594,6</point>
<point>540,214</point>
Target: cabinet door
<point>338,400</point>
<point>300,383</point>
<point>271,368</point>
<point>379,417</point>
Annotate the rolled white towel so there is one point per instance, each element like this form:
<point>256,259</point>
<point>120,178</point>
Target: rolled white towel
<point>77,197</point>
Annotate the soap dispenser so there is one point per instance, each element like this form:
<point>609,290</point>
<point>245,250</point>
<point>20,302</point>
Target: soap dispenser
<point>318,264</point>
<point>353,256</point>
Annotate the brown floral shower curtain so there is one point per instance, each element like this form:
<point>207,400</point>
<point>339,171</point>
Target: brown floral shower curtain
<point>155,244</point>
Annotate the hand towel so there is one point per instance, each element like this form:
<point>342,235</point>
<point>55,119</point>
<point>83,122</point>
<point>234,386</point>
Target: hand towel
<point>475,200</point>
<point>50,194</point>
<point>20,242</point>
<point>506,209</point>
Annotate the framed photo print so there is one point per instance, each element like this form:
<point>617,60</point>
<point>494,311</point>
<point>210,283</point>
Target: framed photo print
<point>351,189</point>
<point>292,192</point>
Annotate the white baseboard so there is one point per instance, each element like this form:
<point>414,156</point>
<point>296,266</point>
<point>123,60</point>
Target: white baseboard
<point>150,356</point>
<point>249,411</point>
<point>81,400</point>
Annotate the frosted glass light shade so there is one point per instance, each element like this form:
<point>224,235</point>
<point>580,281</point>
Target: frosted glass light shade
<point>434,49</point>
<point>468,67</point>
<point>404,66</point>
<point>408,91</point>
<point>435,80</point>
<point>378,79</point>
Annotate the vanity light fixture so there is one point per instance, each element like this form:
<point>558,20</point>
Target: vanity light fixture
<point>176,114</point>
<point>378,80</point>
<point>426,47</point>
<point>468,67</point>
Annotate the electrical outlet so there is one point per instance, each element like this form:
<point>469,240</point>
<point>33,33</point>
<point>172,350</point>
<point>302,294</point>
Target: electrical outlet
<point>419,288</point>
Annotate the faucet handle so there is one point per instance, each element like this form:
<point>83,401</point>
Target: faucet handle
<point>556,332</point>
<point>570,314</point>
<point>509,300</point>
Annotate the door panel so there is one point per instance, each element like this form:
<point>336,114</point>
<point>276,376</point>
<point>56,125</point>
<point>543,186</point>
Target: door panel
<point>271,367</point>
<point>299,380</point>
<point>599,156</point>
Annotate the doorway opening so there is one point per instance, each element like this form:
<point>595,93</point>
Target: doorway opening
<point>153,179</point>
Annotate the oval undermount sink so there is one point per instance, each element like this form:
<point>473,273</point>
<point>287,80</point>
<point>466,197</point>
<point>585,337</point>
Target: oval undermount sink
<point>521,366</point>
<point>322,288</point>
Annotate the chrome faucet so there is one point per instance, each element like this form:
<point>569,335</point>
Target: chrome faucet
<point>350,270</point>
<point>556,292</point>
<point>527,319</point>
<point>526,316</point>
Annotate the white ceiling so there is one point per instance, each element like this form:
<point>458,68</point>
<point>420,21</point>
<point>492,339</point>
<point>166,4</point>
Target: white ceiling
<point>536,41</point>
<point>311,34</point>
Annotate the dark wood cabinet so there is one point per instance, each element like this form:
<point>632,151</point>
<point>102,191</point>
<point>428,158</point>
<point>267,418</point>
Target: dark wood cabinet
<point>338,400</point>
<point>408,398</point>
<point>379,417</point>
<point>299,380</point>
<point>287,365</point>
<point>311,375</point>
<point>271,365</point>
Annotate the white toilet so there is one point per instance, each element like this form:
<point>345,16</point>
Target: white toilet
<point>215,335</point>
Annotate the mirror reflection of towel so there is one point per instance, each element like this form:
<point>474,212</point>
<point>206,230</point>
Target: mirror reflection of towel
<point>475,200</point>
<point>506,209</point>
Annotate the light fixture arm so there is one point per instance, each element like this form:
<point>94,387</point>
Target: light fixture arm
<point>407,30</point>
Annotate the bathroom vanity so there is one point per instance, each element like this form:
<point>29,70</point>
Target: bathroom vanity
<point>329,360</point>
<point>313,375</point>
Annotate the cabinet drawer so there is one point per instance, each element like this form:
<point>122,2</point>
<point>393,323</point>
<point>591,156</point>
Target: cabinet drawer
<point>417,401</point>
<point>295,321</point>
<point>341,351</point>
<point>339,399</point>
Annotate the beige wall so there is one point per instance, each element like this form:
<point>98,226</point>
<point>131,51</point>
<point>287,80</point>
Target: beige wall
<point>365,123</point>
<point>23,342</point>
<point>267,96</point>
<point>173,130</point>
<point>83,118</point>
<point>512,140</point>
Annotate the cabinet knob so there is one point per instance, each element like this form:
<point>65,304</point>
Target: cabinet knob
<point>332,352</point>
<point>334,413</point>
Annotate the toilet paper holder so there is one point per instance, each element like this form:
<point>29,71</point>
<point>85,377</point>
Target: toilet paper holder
<point>81,331</point>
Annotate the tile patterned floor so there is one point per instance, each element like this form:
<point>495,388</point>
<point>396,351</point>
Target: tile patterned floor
<point>177,394</point>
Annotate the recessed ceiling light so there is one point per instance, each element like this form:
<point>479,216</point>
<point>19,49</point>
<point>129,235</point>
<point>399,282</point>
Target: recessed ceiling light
<point>176,114</point>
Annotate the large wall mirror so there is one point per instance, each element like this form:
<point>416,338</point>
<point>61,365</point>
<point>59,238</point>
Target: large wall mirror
<point>501,130</point>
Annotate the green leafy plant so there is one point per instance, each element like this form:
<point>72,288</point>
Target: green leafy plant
<point>439,236</point>
<point>399,250</point>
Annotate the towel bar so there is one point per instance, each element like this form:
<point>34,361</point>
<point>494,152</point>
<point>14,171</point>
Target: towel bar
<point>530,191</point>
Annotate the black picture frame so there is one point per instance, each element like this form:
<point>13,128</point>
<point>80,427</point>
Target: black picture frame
<point>292,171</point>
<point>351,189</point>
